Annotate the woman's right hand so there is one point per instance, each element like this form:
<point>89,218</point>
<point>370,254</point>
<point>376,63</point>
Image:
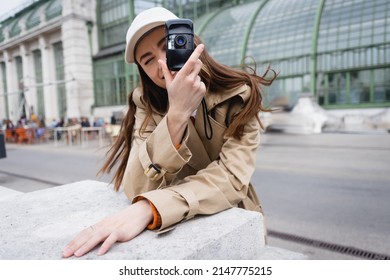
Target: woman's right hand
<point>185,87</point>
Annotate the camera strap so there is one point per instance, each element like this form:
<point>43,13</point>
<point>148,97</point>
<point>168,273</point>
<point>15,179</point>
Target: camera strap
<point>206,121</point>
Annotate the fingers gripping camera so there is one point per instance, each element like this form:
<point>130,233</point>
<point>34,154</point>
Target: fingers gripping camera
<point>179,42</point>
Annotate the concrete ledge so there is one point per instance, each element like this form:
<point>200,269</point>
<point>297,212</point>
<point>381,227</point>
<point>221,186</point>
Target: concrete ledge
<point>7,194</point>
<point>275,253</point>
<point>38,225</point>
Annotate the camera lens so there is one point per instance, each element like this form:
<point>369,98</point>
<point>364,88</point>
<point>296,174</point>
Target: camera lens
<point>180,41</point>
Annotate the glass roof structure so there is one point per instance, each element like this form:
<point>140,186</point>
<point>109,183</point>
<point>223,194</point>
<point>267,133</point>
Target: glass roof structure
<point>28,17</point>
<point>276,29</point>
<point>226,33</point>
<point>354,34</point>
<point>307,41</point>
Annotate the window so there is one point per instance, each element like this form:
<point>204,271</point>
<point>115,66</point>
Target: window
<point>19,72</point>
<point>1,36</point>
<point>140,5</point>
<point>224,35</point>
<point>283,31</point>
<point>60,77</point>
<point>293,87</point>
<point>360,87</point>
<point>337,90</point>
<point>353,26</point>
<point>113,81</point>
<point>3,70</point>
<point>54,9</point>
<point>37,57</point>
<point>114,19</point>
<point>382,85</point>
<point>33,19</point>
<point>19,78</point>
<point>15,29</point>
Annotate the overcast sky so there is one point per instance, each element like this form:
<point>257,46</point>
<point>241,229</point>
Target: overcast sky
<point>8,5</point>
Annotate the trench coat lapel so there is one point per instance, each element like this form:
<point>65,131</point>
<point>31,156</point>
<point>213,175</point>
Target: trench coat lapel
<point>215,98</point>
<point>157,118</point>
<point>196,146</point>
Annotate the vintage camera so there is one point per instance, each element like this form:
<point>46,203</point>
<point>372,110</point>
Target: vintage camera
<point>179,42</point>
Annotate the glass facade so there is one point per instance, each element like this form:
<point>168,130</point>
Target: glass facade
<point>113,84</point>
<point>225,34</point>
<point>141,5</point>
<point>353,53</point>
<point>282,33</point>
<point>114,21</point>
<point>194,9</point>
<point>336,50</point>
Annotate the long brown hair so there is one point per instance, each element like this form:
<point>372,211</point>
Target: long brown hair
<point>217,77</point>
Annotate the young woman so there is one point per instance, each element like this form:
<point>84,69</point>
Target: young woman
<point>187,145</point>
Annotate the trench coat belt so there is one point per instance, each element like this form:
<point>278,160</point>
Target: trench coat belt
<point>152,170</point>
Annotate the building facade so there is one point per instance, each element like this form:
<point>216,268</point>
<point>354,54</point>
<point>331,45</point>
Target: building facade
<point>46,60</point>
<point>65,58</point>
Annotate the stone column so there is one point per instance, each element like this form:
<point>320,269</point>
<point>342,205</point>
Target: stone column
<point>77,57</point>
<point>48,75</point>
<point>28,79</point>
<point>3,106</point>
<point>12,87</point>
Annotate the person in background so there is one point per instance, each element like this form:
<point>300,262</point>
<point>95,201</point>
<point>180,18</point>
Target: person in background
<point>85,122</point>
<point>99,122</point>
<point>60,123</point>
<point>113,120</point>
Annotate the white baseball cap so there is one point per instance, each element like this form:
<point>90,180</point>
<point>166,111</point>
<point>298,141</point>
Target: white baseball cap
<point>142,24</point>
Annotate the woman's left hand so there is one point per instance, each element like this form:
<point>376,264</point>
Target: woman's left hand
<point>119,227</point>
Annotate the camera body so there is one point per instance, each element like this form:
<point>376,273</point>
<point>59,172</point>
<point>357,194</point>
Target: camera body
<point>179,34</point>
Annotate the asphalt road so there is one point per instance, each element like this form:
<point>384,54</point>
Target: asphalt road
<point>324,195</point>
<point>332,189</point>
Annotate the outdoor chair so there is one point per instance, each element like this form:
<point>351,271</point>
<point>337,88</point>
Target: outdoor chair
<point>10,136</point>
<point>24,135</point>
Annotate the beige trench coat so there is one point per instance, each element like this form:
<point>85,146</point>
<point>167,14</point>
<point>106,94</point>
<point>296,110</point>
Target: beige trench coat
<point>201,177</point>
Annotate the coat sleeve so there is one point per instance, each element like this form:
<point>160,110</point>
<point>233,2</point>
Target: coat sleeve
<point>153,161</point>
<point>221,185</point>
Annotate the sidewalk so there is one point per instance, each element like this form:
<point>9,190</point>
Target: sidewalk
<point>39,166</point>
<point>374,140</point>
<point>92,147</point>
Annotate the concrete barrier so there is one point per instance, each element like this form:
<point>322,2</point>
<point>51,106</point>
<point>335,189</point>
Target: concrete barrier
<point>6,194</point>
<point>39,224</point>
